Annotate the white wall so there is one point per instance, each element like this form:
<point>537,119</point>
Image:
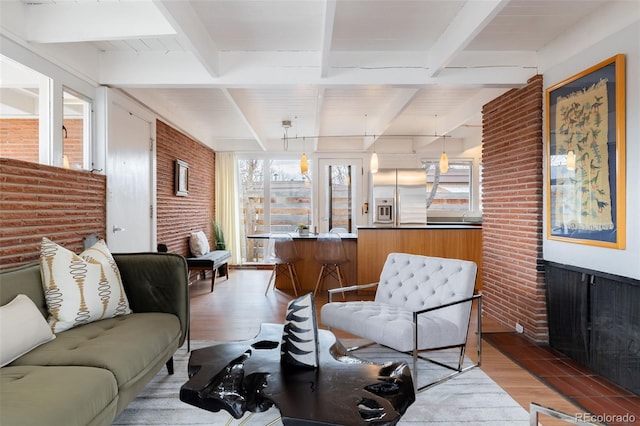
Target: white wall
<point>620,262</point>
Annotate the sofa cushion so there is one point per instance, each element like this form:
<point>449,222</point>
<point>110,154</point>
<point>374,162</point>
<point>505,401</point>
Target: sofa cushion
<point>80,288</point>
<point>22,328</point>
<point>128,346</point>
<point>199,244</point>
<point>57,396</point>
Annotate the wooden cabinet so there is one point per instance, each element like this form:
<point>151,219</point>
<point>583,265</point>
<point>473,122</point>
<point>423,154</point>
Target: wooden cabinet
<point>594,319</point>
<point>308,267</point>
<point>374,244</point>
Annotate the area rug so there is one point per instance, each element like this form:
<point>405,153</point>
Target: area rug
<point>471,398</point>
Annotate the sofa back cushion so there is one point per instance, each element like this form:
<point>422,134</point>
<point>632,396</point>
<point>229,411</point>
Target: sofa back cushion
<point>23,280</point>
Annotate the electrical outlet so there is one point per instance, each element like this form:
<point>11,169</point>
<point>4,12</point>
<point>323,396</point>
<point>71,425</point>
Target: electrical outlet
<point>519,328</point>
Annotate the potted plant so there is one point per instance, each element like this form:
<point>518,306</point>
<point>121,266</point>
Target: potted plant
<point>303,229</point>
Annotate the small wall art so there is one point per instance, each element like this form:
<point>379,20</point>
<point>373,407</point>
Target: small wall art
<point>181,178</point>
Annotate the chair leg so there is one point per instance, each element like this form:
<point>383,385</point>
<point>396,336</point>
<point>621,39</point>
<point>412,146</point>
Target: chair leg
<point>170,366</point>
<point>339,273</point>
<point>213,279</point>
<point>273,273</point>
<point>293,276</point>
<point>319,279</point>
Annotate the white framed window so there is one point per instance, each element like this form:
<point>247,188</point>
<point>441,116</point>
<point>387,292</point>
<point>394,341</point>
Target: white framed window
<point>274,197</point>
<point>25,113</point>
<point>449,191</point>
<point>76,131</point>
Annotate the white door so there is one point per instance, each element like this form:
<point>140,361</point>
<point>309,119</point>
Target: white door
<point>340,194</point>
<point>129,182</point>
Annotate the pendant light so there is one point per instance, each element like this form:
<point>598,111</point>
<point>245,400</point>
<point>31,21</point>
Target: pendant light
<point>304,165</point>
<point>571,160</point>
<point>373,165</point>
<point>444,160</point>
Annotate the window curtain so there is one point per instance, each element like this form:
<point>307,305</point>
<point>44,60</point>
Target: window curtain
<point>227,202</point>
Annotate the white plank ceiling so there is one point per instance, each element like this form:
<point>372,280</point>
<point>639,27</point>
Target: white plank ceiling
<point>229,72</point>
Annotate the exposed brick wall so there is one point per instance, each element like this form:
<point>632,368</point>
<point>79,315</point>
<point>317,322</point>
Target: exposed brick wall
<point>179,216</point>
<point>72,142</point>
<point>512,154</point>
<point>42,201</point>
<point>19,139</point>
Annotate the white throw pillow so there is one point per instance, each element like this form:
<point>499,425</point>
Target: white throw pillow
<point>80,289</point>
<point>22,328</point>
<point>199,244</point>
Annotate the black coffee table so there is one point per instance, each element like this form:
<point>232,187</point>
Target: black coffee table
<point>248,376</point>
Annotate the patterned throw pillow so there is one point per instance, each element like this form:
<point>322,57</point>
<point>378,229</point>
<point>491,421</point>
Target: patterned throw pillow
<point>80,289</point>
<point>299,347</point>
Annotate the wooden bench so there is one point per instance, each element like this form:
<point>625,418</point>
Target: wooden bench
<point>213,261</point>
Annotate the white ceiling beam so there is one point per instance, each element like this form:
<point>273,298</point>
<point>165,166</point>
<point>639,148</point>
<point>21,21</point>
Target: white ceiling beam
<point>243,111</point>
<point>327,35</point>
<point>262,69</point>
<point>67,22</point>
<point>461,115</point>
<point>191,32</point>
<point>467,24</point>
<point>398,104</point>
<point>144,69</point>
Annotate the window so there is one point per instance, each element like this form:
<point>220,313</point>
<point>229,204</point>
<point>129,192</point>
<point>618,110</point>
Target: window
<point>76,136</point>
<point>290,195</point>
<point>289,201</point>
<point>449,191</point>
<point>24,113</point>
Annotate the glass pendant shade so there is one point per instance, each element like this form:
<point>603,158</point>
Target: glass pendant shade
<point>444,163</point>
<point>373,166</point>
<point>304,165</point>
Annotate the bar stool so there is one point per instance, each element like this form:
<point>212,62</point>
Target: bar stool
<point>331,254</point>
<point>283,253</point>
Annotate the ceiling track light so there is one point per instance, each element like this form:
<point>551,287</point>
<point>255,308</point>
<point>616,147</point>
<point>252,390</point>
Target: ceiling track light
<point>304,162</point>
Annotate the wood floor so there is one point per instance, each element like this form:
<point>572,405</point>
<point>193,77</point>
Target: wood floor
<point>237,307</point>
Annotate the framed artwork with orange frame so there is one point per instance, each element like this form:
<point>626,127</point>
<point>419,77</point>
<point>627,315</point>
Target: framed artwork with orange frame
<point>585,116</point>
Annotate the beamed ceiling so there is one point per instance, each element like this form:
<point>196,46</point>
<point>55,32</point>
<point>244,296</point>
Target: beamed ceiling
<point>229,72</point>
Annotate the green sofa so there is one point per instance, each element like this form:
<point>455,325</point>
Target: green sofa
<point>88,374</point>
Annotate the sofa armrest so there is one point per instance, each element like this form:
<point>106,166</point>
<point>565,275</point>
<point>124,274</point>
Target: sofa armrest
<point>156,282</point>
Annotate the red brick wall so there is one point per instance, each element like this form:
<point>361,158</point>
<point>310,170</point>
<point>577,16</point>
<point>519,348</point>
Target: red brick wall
<point>179,216</point>
<point>72,143</point>
<point>512,154</point>
<point>42,201</point>
<point>19,139</point>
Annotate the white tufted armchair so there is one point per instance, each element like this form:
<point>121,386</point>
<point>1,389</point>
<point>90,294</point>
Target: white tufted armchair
<point>421,304</point>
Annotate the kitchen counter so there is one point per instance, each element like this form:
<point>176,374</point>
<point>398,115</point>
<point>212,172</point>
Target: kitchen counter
<point>296,236</point>
<point>449,240</point>
<point>434,225</point>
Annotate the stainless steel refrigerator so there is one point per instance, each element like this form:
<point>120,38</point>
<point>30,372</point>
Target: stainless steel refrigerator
<point>399,197</point>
